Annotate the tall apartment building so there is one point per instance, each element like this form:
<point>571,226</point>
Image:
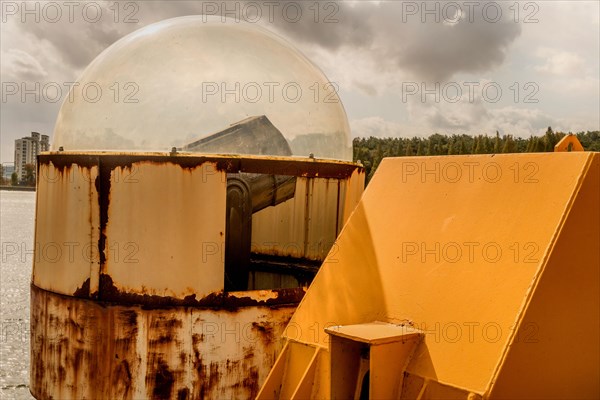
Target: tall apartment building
<point>26,151</point>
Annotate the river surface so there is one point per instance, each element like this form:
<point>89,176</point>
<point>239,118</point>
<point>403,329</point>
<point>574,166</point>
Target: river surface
<point>17,214</point>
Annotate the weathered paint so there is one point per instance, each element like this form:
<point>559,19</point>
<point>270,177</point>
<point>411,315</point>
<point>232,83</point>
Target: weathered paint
<point>67,227</point>
<point>84,349</point>
<point>516,323</point>
<point>305,226</point>
<point>271,165</point>
<point>136,307</point>
<point>132,216</point>
<point>165,218</point>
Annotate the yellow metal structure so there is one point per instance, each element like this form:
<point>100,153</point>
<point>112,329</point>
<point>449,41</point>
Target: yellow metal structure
<point>568,143</point>
<point>463,277</point>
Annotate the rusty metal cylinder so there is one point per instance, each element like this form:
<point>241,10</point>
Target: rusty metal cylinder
<point>135,305</point>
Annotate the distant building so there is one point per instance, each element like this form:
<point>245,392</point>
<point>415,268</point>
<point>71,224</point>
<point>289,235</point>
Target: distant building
<point>7,170</point>
<point>26,151</point>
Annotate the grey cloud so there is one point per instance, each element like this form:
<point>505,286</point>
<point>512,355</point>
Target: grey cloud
<point>330,25</point>
<point>436,51</point>
<point>78,43</point>
<point>440,51</point>
<point>366,88</point>
<point>433,51</point>
<point>19,63</point>
<point>430,51</point>
<point>452,120</point>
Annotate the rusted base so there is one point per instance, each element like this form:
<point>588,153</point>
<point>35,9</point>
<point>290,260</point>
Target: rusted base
<point>87,349</point>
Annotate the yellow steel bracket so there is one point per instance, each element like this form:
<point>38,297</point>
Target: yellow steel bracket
<point>568,143</point>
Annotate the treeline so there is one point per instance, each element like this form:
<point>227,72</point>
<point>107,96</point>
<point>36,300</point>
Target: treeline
<point>371,150</point>
<point>14,179</point>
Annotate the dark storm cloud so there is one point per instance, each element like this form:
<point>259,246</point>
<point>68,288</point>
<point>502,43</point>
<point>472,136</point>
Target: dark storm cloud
<point>80,42</point>
<point>431,46</point>
<point>403,35</point>
<point>331,25</point>
<point>438,51</point>
<point>385,31</point>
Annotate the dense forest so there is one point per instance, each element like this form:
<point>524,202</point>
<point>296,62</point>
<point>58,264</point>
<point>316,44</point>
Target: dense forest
<point>371,150</point>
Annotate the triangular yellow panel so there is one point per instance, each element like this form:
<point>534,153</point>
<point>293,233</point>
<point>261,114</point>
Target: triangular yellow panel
<point>483,254</point>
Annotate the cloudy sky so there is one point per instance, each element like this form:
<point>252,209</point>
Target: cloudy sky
<point>402,68</point>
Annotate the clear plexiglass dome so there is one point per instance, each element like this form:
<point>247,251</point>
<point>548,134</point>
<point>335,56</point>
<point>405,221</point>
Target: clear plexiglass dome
<point>180,80</point>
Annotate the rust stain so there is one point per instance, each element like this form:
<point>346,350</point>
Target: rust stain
<point>183,394</point>
<point>163,381</point>
<point>208,378</point>
<point>250,382</point>
<point>265,332</point>
<point>167,353</point>
<point>248,353</point>
<point>80,347</point>
<point>130,318</point>
<point>214,375</point>
<point>227,163</point>
<point>84,290</point>
<point>103,189</point>
<point>221,300</point>
<point>262,327</point>
<point>231,367</point>
<point>123,378</point>
<point>165,329</point>
<point>198,367</point>
<point>83,348</point>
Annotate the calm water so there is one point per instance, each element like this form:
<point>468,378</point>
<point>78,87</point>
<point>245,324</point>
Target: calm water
<point>17,213</point>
